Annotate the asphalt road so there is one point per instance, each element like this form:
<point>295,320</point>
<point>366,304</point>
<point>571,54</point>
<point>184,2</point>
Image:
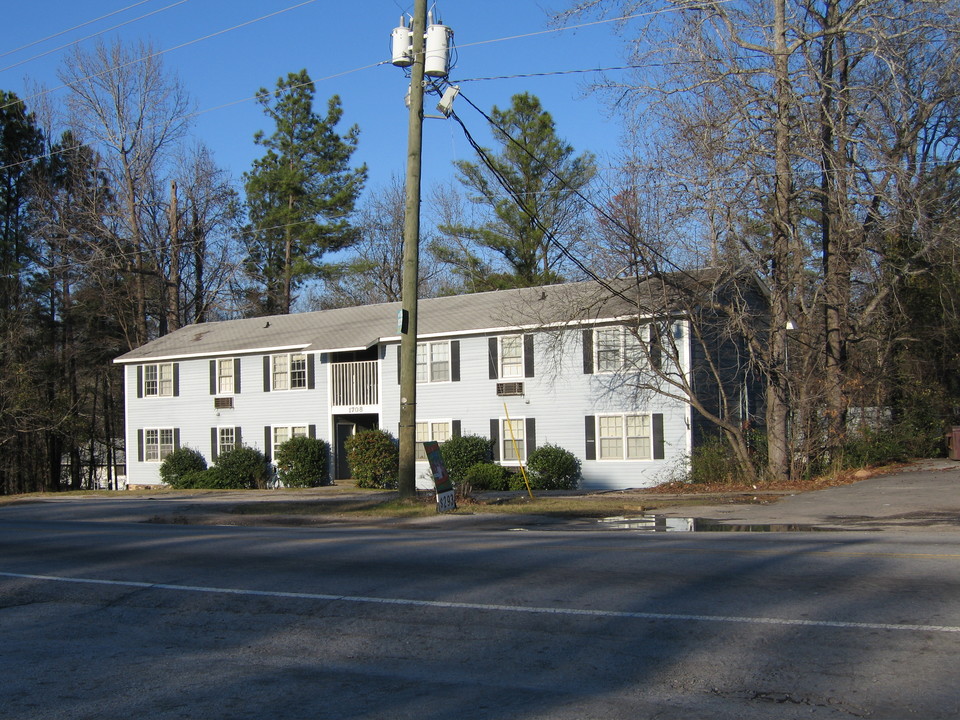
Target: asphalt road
<point>121,620</point>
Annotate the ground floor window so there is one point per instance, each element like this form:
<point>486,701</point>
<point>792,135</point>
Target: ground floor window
<point>624,437</point>
<point>157,444</point>
<point>282,433</point>
<point>438,430</point>
<point>226,439</point>
<point>513,439</point>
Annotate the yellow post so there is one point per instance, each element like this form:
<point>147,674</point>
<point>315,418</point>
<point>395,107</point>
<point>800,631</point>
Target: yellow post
<point>516,451</point>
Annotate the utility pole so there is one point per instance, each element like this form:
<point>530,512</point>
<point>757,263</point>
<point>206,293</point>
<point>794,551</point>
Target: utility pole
<point>173,295</point>
<point>407,321</point>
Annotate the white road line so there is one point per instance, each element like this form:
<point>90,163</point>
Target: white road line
<point>618,614</point>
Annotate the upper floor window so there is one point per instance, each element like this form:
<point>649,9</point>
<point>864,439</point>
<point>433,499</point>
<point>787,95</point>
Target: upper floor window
<point>433,362</point>
<point>158,380</point>
<point>511,356</point>
<point>289,371</point>
<point>619,349</point>
<point>225,376</point>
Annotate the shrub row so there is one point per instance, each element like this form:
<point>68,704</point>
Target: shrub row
<point>374,461</point>
<point>301,462</point>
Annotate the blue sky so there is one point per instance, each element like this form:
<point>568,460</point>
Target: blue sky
<point>339,44</point>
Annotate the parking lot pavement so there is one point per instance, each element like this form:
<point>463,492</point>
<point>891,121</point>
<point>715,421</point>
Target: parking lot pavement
<point>923,495</point>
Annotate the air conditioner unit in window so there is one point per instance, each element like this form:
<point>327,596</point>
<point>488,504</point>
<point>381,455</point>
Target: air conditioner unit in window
<point>222,403</point>
<point>509,388</point>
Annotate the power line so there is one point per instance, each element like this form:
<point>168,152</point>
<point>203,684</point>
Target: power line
<point>75,27</point>
<point>87,37</point>
<point>163,52</point>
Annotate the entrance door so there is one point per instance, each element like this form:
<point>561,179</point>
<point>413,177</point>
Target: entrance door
<point>344,431</point>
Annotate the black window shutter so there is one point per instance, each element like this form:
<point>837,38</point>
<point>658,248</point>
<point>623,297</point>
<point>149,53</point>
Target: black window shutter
<point>236,376</point>
<point>590,438</point>
<point>267,443</point>
<point>176,438</point>
<point>213,377</point>
<point>176,379</point>
<point>455,428</point>
<point>455,360</point>
<point>495,438</point>
<point>139,381</point>
<point>531,439</point>
<point>139,445</point>
<point>237,437</point>
<point>528,356</point>
<point>398,364</point>
<point>657,429</point>
<point>214,444</point>
<point>312,431</point>
<point>588,352</point>
<point>266,373</point>
<point>311,371</point>
<point>492,357</point>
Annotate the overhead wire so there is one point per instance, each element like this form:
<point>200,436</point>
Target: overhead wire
<point>163,52</point>
<point>71,29</point>
<point>92,35</point>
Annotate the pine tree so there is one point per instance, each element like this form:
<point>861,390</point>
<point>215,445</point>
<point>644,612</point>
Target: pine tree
<point>538,208</point>
<point>300,194</point>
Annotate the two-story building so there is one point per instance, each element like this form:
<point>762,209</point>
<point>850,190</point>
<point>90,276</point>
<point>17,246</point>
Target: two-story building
<point>520,367</point>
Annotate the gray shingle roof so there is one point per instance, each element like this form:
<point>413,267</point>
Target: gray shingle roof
<point>361,327</point>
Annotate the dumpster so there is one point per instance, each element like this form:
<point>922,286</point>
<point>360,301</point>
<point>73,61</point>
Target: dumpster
<point>953,443</point>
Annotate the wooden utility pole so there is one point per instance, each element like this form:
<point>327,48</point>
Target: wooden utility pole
<point>407,321</point>
<point>173,295</point>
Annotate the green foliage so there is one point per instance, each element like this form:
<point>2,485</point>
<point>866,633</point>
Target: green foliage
<point>541,172</point>
<point>374,459</point>
<point>713,460</point>
<point>179,464</point>
<point>551,467</point>
<point>241,468</point>
<point>303,462</point>
<point>300,193</point>
<point>461,453</point>
<point>486,476</point>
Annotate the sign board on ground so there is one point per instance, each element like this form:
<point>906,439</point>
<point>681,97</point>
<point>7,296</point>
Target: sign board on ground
<point>446,500</point>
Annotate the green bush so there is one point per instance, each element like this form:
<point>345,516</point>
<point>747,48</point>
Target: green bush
<point>550,467</point>
<point>486,476</point>
<point>712,461</point>
<point>374,459</point>
<point>241,468</point>
<point>180,463</point>
<point>459,454</point>
<point>303,462</point>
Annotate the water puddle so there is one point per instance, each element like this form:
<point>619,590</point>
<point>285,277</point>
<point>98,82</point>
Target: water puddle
<point>661,523</point>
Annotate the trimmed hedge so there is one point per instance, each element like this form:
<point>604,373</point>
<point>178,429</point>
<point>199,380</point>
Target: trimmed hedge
<point>180,465</point>
<point>303,462</point>
<point>241,468</point>
<point>551,467</point>
<point>460,454</point>
<point>486,476</point>
<point>374,459</point>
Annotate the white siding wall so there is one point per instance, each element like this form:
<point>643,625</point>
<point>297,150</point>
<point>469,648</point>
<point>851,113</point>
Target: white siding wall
<point>559,397</point>
<point>192,412</point>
